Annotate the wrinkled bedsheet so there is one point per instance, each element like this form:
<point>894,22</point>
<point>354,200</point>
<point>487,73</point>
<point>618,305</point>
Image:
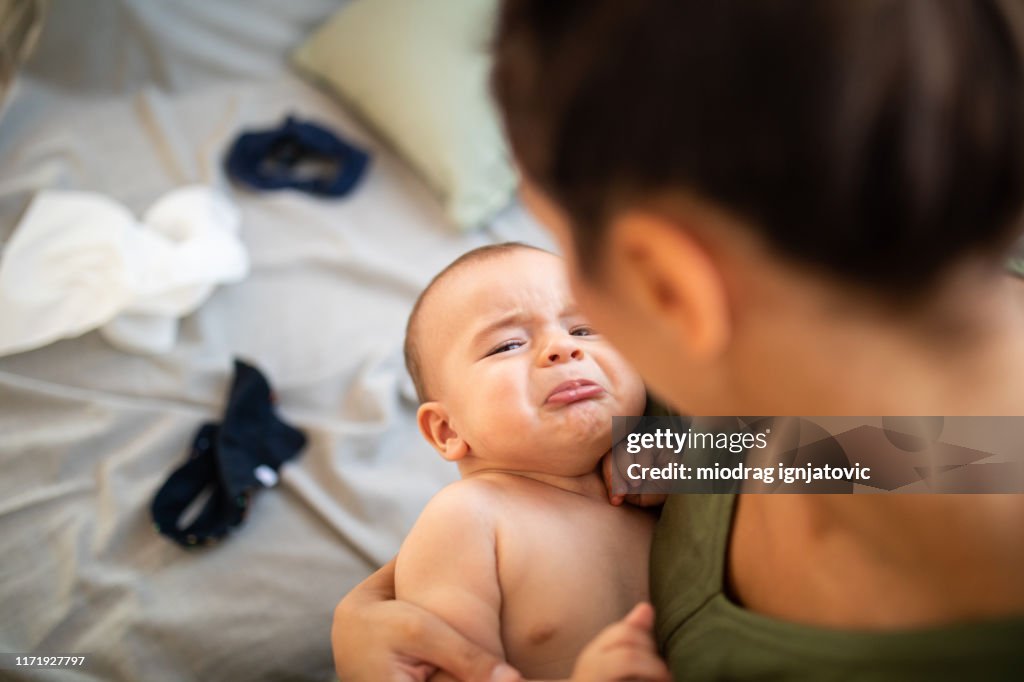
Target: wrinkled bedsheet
<point>132,99</point>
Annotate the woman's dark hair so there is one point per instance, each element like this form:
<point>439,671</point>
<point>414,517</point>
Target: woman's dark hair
<point>879,139</point>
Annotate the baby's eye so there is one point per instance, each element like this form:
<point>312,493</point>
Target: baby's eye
<point>506,346</point>
<point>582,331</point>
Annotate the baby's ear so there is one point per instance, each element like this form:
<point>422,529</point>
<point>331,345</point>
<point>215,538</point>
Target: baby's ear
<point>434,423</point>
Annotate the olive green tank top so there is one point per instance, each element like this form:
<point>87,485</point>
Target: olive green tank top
<point>706,636</point>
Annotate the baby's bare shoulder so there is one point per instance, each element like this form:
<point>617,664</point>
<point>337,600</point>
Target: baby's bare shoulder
<point>457,520</point>
<point>469,502</point>
<point>470,491</point>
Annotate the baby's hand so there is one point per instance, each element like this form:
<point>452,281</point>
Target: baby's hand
<point>623,651</point>
<point>618,487</point>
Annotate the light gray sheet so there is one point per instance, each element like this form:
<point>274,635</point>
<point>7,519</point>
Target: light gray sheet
<point>88,433</point>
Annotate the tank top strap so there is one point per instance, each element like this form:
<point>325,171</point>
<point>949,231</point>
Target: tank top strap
<point>688,555</point>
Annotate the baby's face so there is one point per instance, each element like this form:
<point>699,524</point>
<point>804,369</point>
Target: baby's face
<point>526,382</point>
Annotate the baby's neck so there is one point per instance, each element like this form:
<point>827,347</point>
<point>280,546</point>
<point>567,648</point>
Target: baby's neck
<point>588,485</point>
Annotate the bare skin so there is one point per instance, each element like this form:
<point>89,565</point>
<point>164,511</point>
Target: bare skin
<point>567,565</point>
<point>429,643</point>
<point>867,559</point>
<point>524,556</point>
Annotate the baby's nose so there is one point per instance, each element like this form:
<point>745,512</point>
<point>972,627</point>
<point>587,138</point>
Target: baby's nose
<point>575,354</point>
<point>565,353</point>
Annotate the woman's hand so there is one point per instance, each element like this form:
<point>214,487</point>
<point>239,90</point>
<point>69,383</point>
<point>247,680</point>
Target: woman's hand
<point>376,638</point>
<point>618,488</point>
<point>623,651</point>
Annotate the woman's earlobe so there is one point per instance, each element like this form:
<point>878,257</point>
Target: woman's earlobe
<point>676,279</point>
<point>433,421</point>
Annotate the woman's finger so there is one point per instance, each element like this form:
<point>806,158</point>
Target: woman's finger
<point>438,643</point>
<point>374,637</point>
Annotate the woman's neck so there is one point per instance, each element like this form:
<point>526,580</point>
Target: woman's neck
<point>963,356</point>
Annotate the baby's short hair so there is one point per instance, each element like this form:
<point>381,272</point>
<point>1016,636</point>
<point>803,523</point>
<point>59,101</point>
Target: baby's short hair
<point>413,359</point>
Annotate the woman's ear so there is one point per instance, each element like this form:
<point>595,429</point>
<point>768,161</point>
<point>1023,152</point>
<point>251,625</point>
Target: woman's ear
<point>434,423</point>
<point>673,280</point>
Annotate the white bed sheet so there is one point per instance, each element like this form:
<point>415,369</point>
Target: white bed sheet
<point>88,433</point>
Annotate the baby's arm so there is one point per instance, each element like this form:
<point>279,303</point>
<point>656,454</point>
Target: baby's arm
<point>448,565</point>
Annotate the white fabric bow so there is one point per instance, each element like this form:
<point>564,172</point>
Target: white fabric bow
<point>80,260</point>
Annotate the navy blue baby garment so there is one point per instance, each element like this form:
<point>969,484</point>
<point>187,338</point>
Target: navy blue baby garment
<point>297,155</point>
<point>231,460</point>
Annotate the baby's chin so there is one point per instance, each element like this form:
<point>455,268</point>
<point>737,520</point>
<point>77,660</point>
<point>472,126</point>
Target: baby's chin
<point>584,420</point>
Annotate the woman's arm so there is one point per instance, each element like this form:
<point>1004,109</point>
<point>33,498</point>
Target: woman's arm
<point>374,637</point>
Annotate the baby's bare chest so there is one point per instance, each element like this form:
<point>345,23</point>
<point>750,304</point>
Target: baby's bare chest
<point>566,574</point>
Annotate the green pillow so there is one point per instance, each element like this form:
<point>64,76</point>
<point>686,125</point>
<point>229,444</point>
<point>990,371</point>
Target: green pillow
<point>416,71</point>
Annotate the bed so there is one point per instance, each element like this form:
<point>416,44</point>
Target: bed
<point>132,98</point>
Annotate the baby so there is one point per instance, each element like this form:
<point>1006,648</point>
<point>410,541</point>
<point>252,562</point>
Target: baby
<point>524,555</point>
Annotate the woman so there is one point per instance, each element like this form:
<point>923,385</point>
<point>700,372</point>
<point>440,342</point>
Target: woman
<point>786,208</point>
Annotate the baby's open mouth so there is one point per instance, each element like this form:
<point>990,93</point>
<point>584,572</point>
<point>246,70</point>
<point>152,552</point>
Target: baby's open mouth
<point>572,391</point>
